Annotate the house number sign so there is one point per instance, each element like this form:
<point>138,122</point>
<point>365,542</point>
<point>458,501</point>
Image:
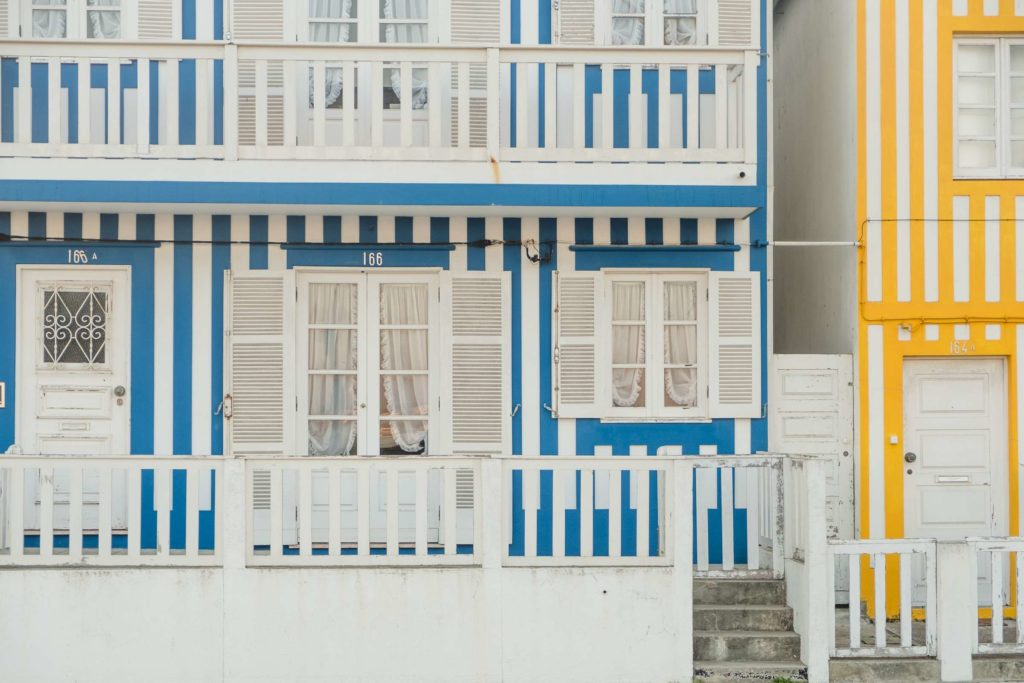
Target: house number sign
<point>80,256</point>
<point>961,347</point>
<point>373,258</point>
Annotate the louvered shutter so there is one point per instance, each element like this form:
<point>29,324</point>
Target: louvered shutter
<point>156,19</point>
<point>577,392</point>
<point>259,20</point>
<point>735,27</point>
<point>5,11</point>
<point>478,362</point>
<point>259,329</point>
<point>734,323</point>
<point>474,22</point>
<point>575,22</point>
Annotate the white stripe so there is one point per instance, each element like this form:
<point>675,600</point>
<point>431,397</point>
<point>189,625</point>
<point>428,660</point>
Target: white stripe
<point>991,8</point>
<point>962,332</point>
<point>91,226</point>
<point>421,229</point>
<point>993,332</point>
<point>202,331</point>
<point>54,225</point>
<point>530,309</point>
<point>456,234</point>
<point>959,8</point>
<point>636,230</point>
<point>741,236</point>
<point>494,255</point>
<point>671,231</point>
<point>961,249</point>
<point>602,230</point>
<point>931,333</point>
<point>1020,247</point>
<point>163,334</point>
<point>876,432</point>
<point>873,146</point>
<point>314,229</point>
<point>528,18</point>
<point>931,167</point>
<point>239,239</point>
<point>349,228</point>
<point>567,263</point>
<point>903,273</point>
<point>992,233</point>
<point>204,20</point>
<point>126,227</point>
<point>1020,415</point>
<point>386,229</point>
<point>1018,8</point>
<point>277,231</point>
<point>707,232</point>
<point>19,223</point>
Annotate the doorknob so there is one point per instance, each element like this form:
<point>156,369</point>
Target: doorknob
<point>119,391</point>
<point>910,457</point>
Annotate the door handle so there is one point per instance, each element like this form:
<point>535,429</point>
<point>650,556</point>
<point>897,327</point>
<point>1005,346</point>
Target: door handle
<point>910,457</point>
<point>119,391</point>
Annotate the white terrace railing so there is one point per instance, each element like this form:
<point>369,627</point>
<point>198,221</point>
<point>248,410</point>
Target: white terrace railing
<point>1001,560</point>
<point>119,99</point>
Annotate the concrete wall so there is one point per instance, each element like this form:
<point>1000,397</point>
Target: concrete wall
<point>471,625</point>
<point>815,110</point>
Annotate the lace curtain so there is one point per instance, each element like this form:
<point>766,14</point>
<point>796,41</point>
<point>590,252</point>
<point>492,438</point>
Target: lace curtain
<point>391,32</point>
<point>628,343</point>
<point>404,350</point>
<point>628,30</point>
<point>680,23</point>
<point>680,344</point>
<point>104,23</point>
<point>332,349</point>
<point>330,32</point>
<point>50,23</point>
<point>680,30</point>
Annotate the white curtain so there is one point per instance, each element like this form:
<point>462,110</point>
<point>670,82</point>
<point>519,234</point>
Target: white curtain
<point>332,349</point>
<point>681,30</point>
<point>628,343</point>
<point>406,33</point>
<point>628,30</point>
<point>104,23</point>
<point>681,343</point>
<point>50,23</point>
<point>329,32</point>
<point>405,350</point>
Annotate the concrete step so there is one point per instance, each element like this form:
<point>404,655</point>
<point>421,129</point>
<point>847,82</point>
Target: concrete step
<point>739,672</point>
<point>896,670</point>
<point>739,592</point>
<point>746,646</point>
<point>998,668</point>
<point>742,618</point>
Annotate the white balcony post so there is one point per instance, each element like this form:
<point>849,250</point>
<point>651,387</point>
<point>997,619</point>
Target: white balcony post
<point>680,531</point>
<point>233,505</point>
<point>957,618</point>
<point>815,640</point>
<point>493,103</point>
<point>231,102</point>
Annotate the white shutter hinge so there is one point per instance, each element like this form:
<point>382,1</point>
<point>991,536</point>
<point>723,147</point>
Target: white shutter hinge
<point>556,355</point>
<point>226,406</point>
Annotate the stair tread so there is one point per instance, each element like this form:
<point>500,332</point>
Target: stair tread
<point>746,633</point>
<point>747,664</point>
<point>739,608</point>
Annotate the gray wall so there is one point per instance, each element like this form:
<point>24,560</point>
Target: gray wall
<point>815,110</point>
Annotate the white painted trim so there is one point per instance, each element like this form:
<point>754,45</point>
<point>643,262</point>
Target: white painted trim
<point>993,230</point>
<point>961,249</point>
<point>873,148</point>
<point>202,338</point>
<point>1019,260</point>
<point>529,301</point>
<point>931,170</point>
<point>163,336</point>
<point>903,227</point>
<point>876,431</point>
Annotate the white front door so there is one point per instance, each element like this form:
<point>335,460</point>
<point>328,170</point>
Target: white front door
<point>955,450</point>
<point>73,392</point>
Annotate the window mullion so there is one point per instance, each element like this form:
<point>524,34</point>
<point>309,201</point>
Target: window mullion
<point>655,347</point>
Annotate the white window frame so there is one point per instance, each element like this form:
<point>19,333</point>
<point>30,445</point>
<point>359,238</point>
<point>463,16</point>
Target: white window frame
<point>654,16</point>
<point>1003,124</point>
<point>76,27</point>
<point>654,389</point>
<point>368,23</point>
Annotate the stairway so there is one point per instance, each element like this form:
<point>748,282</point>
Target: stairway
<point>743,631</point>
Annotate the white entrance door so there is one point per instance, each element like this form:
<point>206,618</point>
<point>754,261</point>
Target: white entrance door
<point>72,387</point>
<point>955,450</point>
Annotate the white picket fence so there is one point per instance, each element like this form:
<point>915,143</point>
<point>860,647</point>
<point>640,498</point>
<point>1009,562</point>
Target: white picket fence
<point>1004,558</point>
<point>348,102</point>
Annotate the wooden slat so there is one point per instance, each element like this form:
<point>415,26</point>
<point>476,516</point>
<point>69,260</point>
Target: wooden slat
<point>293,99</point>
<point>692,107</point>
<point>114,101</point>
<point>16,512</point>
<point>636,105</point>
<point>85,101</point>
<point>24,100</point>
<point>319,104</point>
<point>728,501</point>
<point>422,508</point>
<point>142,107</point>
<point>854,625</point>
<point>754,476</point>
<point>306,511</point>
<point>906,600</point>
<point>550,105</point>
<point>749,112</point>
<point>434,109</point>
<point>721,107</point>
<point>203,102</point>
<point>363,510</point>
<point>261,103</point>
<point>449,513</point>
<point>579,107</point>
<point>880,600</point>
<point>163,479</point>
<point>558,480</point>
<point>376,104</point>
<point>192,476</point>
<point>103,524</point>
<point>664,117</point>
<point>405,105</point>
<point>46,511</point>
<point>703,477</point>
<point>997,596</point>
<point>333,511</point>
<point>348,98</point>
<point>464,114</point>
<point>523,111</point>
<point>392,511</point>
<point>615,512</point>
<point>586,513</point>
<point>531,496</point>
<point>53,115</point>
<point>134,493</point>
<point>276,504</point>
<point>607,107</point>
<point>1019,594</point>
<point>75,513</point>
<point>169,87</point>
<point>643,512</point>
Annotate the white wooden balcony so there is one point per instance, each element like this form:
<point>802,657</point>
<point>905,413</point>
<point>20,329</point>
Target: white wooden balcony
<point>248,101</point>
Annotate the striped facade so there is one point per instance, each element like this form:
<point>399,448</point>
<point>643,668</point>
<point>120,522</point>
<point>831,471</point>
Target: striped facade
<point>941,256</point>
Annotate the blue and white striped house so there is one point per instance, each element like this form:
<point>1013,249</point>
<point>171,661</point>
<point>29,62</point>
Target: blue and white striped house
<point>384,227</point>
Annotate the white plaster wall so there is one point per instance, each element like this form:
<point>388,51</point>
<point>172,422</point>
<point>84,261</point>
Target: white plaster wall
<point>355,625</point>
<point>815,129</point>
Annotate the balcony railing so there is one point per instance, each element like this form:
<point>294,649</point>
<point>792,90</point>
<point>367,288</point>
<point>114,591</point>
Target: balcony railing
<point>215,100</point>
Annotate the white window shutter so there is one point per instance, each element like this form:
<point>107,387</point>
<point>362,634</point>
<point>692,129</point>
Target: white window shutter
<point>260,379</point>
<point>156,19</point>
<point>473,22</point>
<point>259,20</point>
<point>734,376</point>
<point>478,361</point>
<point>575,22</point>
<point>4,19</point>
<point>735,23</point>
<point>576,374</point>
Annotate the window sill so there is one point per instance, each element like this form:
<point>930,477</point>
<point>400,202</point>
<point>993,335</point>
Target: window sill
<point>1016,175</point>
<point>655,420</point>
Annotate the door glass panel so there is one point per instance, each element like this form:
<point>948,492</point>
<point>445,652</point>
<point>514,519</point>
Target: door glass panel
<point>331,303</point>
<point>332,437</point>
<point>629,317</point>
<point>74,326</point>
<point>680,355</point>
<point>333,349</point>
<point>333,365</point>
<point>404,363</point>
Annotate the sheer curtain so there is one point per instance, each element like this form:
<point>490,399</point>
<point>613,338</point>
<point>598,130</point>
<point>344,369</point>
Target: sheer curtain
<point>680,22</point>
<point>415,31</point>
<point>332,394</point>
<point>104,23</point>
<point>330,32</point>
<point>405,350</point>
<point>628,30</point>
<point>628,343</point>
<point>50,23</point>
<point>681,343</point>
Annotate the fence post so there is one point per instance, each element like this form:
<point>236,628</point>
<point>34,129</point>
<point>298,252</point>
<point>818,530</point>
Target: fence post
<point>956,619</point>
<point>231,501</point>
<point>680,529</point>
<point>815,643</point>
<point>230,102</point>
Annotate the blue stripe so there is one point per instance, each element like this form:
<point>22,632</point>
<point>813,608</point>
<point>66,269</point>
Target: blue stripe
<point>258,231</point>
<point>548,424</point>
<point>187,100</point>
<point>403,229</point>
<point>688,231</point>
<point>182,428</point>
<point>724,230</point>
<point>439,229</point>
<point>72,226</point>
<point>188,19</point>
<point>475,232</point>
<point>512,231</point>
<point>108,226</point>
<point>220,262</point>
<point>145,228</point>
<point>584,231</point>
<point>351,256</point>
<point>5,223</point>
<point>620,231</point>
<point>8,81</point>
<point>367,229</point>
<point>654,231</point>
<point>332,229</point>
<point>296,229</point>
<point>37,225</point>
<point>633,257</point>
